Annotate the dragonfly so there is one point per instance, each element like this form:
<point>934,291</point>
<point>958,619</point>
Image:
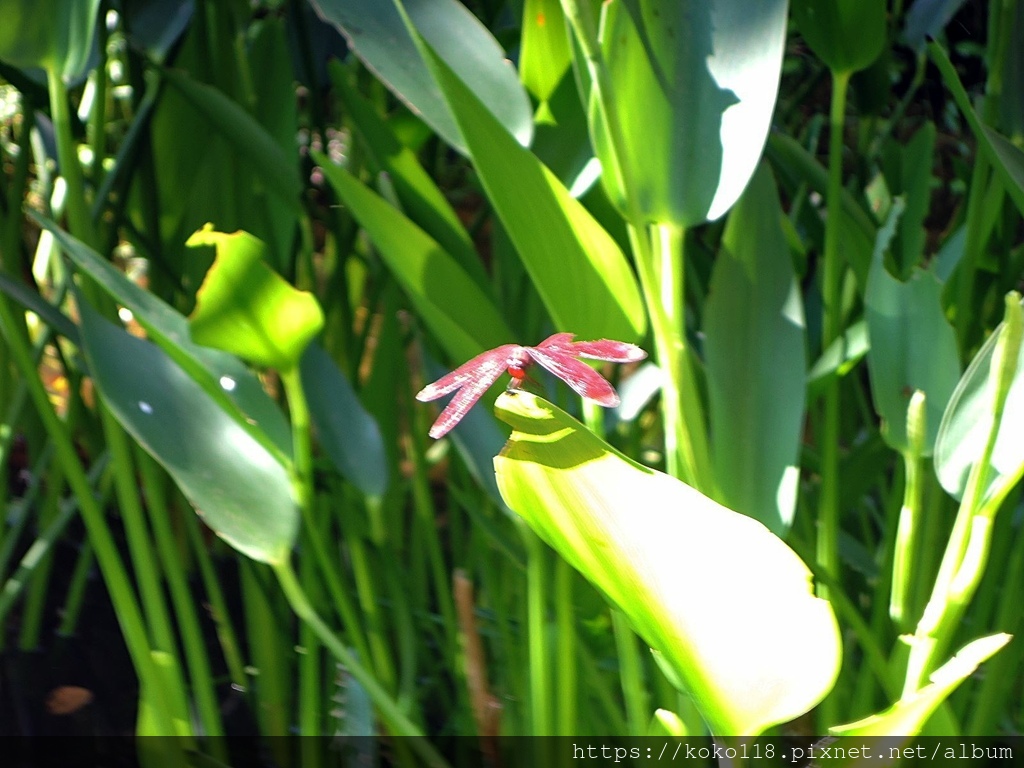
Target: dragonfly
<point>557,354</point>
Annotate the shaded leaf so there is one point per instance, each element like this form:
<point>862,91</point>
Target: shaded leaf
<point>846,34</point>
<point>241,491</point>
<point>756,364</point>
<point>55,35</point>
<point>222,376</point>
<point>912,345</point>
<point>347,432</point>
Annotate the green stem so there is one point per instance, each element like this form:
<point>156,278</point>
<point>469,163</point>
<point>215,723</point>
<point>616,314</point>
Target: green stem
<point>903,567</point>
<point>189,629</point>
<point>536,607</point>
<point>567,650</point>
<point>114,574</point>
<point>392,714</point>
<point>828,513</point>
<point>659,260</point>
<point>630,675</point>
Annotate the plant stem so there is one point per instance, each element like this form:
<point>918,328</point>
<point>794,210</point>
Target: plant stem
<point>828,512</point>
<point>392,714</point>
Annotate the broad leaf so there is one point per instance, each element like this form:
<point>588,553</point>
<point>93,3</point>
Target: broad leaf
<point>968,419</point>
<point>912,346</point>
<point>239,488</point>
<point>756,364</point>
<point>346,431</point>
<point>222,376</point>
<point>246,308</point>
<point>378,34</point>
<point>727,605</point>
<point>846,34</point>
<point>694,85</point>
<point>577,268</point>
<point>55,35</point>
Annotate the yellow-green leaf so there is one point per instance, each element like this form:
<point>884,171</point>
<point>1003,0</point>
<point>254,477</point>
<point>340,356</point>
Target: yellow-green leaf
<point>246,308</point>
<point>727,605</point>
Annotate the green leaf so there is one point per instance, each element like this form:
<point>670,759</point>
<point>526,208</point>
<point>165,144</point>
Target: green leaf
<point>756,364</point>
<point>421,199</point>
<point>694,85</point>
<point>793,162</point>
<point>222,376</point>
<point>846,34</point>
<point>561,139</point>
<point>1006,159</point>
<point>245,134</point>
<point>726,603</point>
<point>55,35</point>
<point>912,345</point>
<point>908,716</point>
<point>968,419</point>
<point>428,274</point>
<point>347,432</point>
<point>380,37</point>
<point>577,268</point>
<point>246,308</point>
<point>239,488</point>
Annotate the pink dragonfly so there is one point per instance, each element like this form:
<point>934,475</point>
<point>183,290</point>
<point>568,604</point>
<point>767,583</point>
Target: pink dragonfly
<point>556,353</point>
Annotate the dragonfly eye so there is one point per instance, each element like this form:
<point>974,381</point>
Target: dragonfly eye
<point>517,373</point>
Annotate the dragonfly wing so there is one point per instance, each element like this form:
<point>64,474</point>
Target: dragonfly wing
<point>557,342</point>
<point>468,371</point>
<point>485,374</point>
<point>612,351</point>
<point>583,379</point>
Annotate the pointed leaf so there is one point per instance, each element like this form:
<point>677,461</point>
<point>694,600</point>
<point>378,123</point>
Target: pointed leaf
<point>754,347</point>
<point>912,345</point>
<point>241,491</point>
<point>694,84</point>
<point>968,419</point>
<point>428,274</point>
<point>347,432</point>
<point>693,577</point>
<point>907,716</point>
<point>245,308</point>
<point>378,34</point>
<point>222,376</point>
<point>578,269</point>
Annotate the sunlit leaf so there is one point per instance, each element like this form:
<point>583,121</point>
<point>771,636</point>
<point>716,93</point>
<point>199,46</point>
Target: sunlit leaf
<point>756,363</point>
<point>379,36</point>
<point>428,274</point>
<point>968,419</point>
<point>693,577</point>
<point>907,716</point>
<point>245,308</point>
<point>577,268</point>
<point>694,85</point>
<point>222,376</point>
<point>240,489</point>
